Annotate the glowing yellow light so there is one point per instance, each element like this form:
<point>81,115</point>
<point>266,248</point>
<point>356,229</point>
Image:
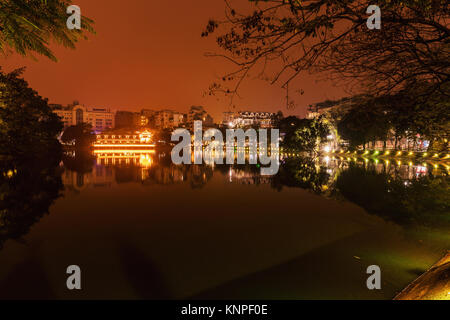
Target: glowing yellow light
<point>425,154</point>
<point>435,155</point>
<point>124,151</point>
<point>410,163</point>
<point>145,160</point>
<point>145,137</point>
<point>399,153</point>
<point>124,145</point>
<point>387,153</point>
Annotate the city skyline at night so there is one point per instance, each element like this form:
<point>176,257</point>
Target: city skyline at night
<point>224,159</point>
<point>143,52</point>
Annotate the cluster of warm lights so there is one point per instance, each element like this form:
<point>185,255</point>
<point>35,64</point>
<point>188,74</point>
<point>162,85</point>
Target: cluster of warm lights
<point>327,149</point>
<point>124,140</point>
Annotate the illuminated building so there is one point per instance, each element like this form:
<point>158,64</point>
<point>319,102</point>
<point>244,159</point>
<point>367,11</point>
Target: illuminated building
<point>127,119</point>
<point>168,119</point>
<point>244,119</point>
<point>100,119</point>
<point>115,142</point>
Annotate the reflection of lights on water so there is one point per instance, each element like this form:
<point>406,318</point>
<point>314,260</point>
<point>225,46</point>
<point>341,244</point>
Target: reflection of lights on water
<point>145,160</point>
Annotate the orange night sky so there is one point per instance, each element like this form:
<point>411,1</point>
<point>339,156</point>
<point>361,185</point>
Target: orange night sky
<point>149,54</point>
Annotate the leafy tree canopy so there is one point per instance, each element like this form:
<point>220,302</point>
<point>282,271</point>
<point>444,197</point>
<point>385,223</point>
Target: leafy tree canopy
<point>81,134</point>
<point>284,38</point>
<point>303,134</point>
<point>27,123</point>
<point>28,27</point>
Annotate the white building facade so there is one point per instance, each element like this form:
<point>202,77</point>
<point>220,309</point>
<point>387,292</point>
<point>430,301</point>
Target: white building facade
<point>100,119</point>
<point>244,119</point>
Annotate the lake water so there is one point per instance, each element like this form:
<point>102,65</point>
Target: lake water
<point>142,228</point>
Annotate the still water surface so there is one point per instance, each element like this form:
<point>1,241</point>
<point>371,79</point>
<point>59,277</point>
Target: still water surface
<point>146,229</point>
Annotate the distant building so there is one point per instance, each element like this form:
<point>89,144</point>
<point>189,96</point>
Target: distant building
<point>124,119</point>
<point>325,107</point>
<point>148,118</point>
<point>228,119</point>
<point>131,120</point>
<point>139,120</point>
<point>168,119</point>
<point>178,119</point>
<point>243,119</point>
<point>100,119</point>
<point>148,113</point>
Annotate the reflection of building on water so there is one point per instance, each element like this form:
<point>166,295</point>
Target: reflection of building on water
<point>150,168</point>
<point>100,176</point>
<point>164,175</point>
<point>241,176</point>
<point>147,168</point>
